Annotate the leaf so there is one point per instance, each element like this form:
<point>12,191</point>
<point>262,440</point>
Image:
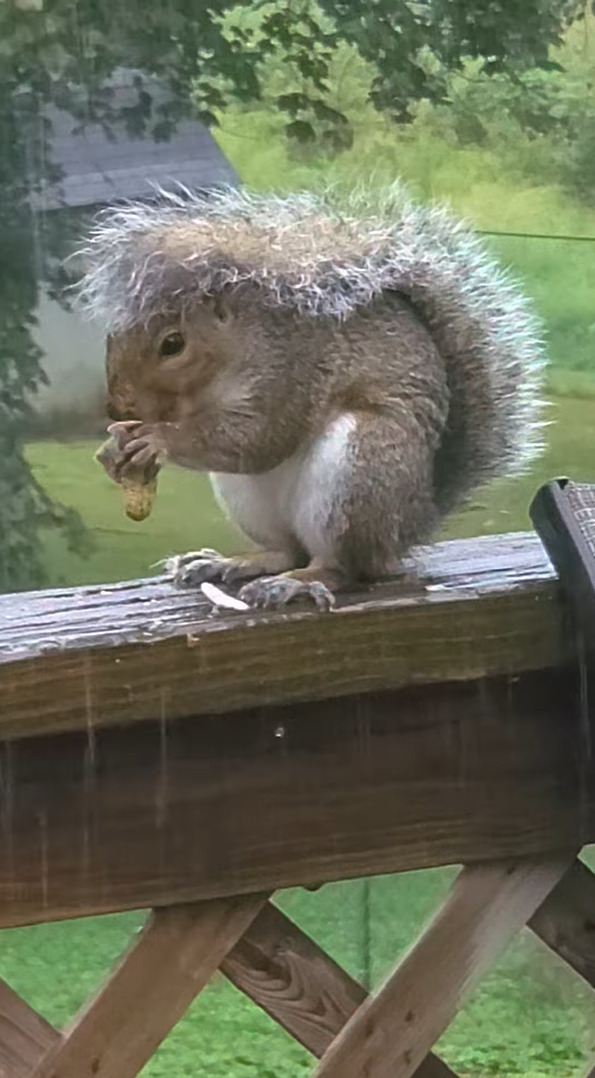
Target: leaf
<point>300,130</point>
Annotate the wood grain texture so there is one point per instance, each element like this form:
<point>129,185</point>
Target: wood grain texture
<point>393,1031</point>
<point>172,960</point>
<point>566,920</point>
<point>88,658</point>
<point>281,969</point>
<point>25,1037</point>
<point>159,813</point>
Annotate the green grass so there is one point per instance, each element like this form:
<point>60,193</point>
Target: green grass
<point>560,278</point>
<point>55,966</point>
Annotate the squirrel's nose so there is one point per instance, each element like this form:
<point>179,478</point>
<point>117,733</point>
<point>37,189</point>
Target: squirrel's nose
<point>118,413</point>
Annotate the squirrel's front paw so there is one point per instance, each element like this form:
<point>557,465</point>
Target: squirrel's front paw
<point>207,565</point>
<point>141,447</point>
<point>276,591</point>
<point>192,569</point>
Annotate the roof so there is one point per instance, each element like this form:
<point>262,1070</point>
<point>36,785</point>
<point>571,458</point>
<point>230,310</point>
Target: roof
<point>99,167</point>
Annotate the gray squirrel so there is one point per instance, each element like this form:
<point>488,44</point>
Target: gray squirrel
<point>347,369</point>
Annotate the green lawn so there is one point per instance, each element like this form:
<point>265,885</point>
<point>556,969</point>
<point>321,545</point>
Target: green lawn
<point>55,966</point>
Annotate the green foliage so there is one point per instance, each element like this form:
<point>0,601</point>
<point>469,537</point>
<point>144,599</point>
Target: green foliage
<point>24,506</point>
<point>52,47</point>
<point>543,125</point>
<point>533,124</point>
<point>539,121</point>
<point>412,49</point>
<point>416,46</point>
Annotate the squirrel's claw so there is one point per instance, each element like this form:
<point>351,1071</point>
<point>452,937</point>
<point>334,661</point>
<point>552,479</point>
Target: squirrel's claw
<point>203,566</point>
<point>195,568</point>
<point>276,591</point>
<point>132,452</point>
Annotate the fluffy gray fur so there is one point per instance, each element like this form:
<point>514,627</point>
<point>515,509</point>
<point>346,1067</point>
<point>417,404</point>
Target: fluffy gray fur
<point>326,255</point>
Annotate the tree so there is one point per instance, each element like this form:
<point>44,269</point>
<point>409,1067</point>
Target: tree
<point>416,46</point>
<point>52,47</point>
<point>24,506</point>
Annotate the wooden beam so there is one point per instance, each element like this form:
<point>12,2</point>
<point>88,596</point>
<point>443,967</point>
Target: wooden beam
<point>25,1037</point>
<point>393,1031</point>
<point>172,960</point>
<point>566,920</point>
<point>80,659</point>
<point>155,814</point>
<point>283,971</point>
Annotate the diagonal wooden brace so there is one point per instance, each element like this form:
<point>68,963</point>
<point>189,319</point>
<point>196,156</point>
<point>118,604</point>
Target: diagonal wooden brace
<point>25,1037</point>
<point>282,970</point>
<point>274,963</point>
<point>566,920</point>
<point>392,1032</point>
<point>172,960</point>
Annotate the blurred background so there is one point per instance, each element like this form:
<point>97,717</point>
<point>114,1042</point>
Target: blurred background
<point>488,107</point>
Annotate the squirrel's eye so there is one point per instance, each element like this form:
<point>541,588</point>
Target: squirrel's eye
<point>172,345</point>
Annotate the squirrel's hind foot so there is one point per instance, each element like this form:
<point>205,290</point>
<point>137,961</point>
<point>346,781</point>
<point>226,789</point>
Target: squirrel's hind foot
<point>276,591</point>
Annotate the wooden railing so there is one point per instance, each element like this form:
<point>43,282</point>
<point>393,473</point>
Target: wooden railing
<point>154,754</point>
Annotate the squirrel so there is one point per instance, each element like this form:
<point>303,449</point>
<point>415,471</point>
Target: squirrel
<point>346,368</point>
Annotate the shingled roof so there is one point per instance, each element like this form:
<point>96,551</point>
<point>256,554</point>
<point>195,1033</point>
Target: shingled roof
<point>98,167</point>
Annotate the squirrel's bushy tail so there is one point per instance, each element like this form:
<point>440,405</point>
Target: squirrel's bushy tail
<point>331,254</point>
<point>484,326</point>
<point>490,338</point>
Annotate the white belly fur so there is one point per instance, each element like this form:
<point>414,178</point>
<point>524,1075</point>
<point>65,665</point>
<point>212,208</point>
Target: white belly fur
<point>293,501</point>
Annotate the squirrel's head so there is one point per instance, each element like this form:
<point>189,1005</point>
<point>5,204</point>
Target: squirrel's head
<point>159,371</point>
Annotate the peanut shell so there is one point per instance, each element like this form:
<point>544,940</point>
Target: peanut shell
<point>139,497</point>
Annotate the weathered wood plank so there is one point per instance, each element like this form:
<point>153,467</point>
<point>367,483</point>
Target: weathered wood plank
<point>566,920</point>
<point>393,1031</point>
<point>155,814</point>
<point>282,970</point>
<point>25,1037</point>
<point>81,659</point>
<point>171,961</point>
